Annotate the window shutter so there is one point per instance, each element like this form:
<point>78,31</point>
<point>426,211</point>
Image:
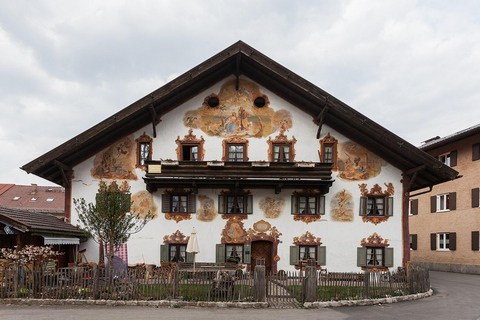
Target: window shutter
<point>294,255</point>
<point>414,242</point>
<point>452,200</point>
<point>414,207</point>
<point>248,204</point>
<point>294,205</point>
<point>475,240</point>
<point>220,253</point>
<point>221,204</point>
<point>433,204</point>
<point>475,196</point>
<point>361,257</point>
<point>476,151</point>
<point>453,158</point>
<point>191,203</point>
<point>189,257</point>
<point>433,241</point>
<point>166,203</point>
<point>453,241</point>
<point>164,252</point>
<point>247,254</point>
<point>321,255</point>
<point>389,257</point>
<point>363,206</point>
<point>321,205</point>
<point>389,203</point>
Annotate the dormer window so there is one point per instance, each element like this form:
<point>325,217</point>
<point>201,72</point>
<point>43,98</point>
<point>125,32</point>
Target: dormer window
<point>34,199</point>
<point>49,199</point>
<point>15,198</point>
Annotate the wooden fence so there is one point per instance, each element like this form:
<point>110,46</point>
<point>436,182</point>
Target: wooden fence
<point>172,283</point>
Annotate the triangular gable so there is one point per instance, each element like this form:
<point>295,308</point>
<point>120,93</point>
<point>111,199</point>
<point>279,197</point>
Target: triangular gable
<point>241,59</point>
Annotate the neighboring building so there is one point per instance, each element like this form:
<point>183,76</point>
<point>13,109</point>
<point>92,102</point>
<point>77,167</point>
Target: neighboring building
<point>260,161</point>
<point>33,198</point>
<point>445,222</point>
<point>19,228</point>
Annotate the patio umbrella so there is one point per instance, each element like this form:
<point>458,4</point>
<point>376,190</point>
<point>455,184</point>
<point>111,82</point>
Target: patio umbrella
<point>192,246</point>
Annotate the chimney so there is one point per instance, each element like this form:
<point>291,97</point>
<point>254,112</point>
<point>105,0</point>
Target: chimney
<point>34,188</point>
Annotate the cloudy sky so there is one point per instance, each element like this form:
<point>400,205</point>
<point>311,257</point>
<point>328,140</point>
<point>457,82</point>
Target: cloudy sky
<point>411,66</point>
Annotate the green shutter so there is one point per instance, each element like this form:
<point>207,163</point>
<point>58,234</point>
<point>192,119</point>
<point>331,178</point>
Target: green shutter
<point>221,204</point>
<point>321,205</point>
<point>248,204</point>
<point>321,255</point>
<point>389,257</point>
<point>363,206</point>
<point>389,203</point>
<point>189,257</point>
<point>361,257</point>
<point>294,205</point>
<point>220,253</point>
<point>164,252</point>
<point>166,203</point>
<point>294,255</point>
<point>191,203</point>
<point>247,254</point>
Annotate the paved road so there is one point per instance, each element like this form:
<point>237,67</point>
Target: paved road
<point>456,296</point>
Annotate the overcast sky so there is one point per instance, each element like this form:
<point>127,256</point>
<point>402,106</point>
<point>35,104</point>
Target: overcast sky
<point>411,66</point>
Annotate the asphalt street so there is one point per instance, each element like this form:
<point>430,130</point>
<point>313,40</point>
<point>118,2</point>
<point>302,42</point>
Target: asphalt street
<point>456,296</point>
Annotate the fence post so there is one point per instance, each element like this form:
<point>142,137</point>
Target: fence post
<point>310,281</point>
<point>259,281</point>
<point>367,284</point>
<point>176,279</point>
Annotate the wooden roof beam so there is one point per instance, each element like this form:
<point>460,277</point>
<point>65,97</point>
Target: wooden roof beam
<point>320,118</point>
<point>62,167</point>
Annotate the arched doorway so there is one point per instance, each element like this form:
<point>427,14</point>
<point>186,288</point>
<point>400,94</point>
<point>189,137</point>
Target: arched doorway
<point>262,249</point>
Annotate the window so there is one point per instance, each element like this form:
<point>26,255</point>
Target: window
<point>15,198</point>
<point>189,152</point>
<point>443,202</point>
<point>177,253</point>
<point>34,199</point>
<point>190,148</point>
<point>234,253</point>
<point>314,204</point>
<point>371,257</point>
<point>328,150</point>
<point>450,159</point>
<point>238,252</point>
<point>178,203</point>
<point>281,152</point>
<point>236,152</point>
<point>413,207</point>
<point>301,253</point>
<point>49,199</point>
<point>144,150</point>
<point>413,242</point>
<point>308,252</point>
<point>376,206</point>
<point>443,241</point>
<point>234,204</point>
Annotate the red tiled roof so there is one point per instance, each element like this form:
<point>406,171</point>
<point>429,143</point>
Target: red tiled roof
<point>36,222</point>
<point>25,194</point>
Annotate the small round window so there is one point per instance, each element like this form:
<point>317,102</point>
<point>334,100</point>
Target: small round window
<point>259,102</point>
<point>213,102</point>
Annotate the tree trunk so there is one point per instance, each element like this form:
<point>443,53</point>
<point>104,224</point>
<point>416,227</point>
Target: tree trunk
<point>110,264</point>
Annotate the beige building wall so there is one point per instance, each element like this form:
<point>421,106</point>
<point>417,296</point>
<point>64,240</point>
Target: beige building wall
<point>463,220</point>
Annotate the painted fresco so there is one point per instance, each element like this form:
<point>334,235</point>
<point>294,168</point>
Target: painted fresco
<point>206,211</point>
<point>355,163</point>
<point>143,203</point>
<point>272,208</point>
<point>236,114</point>
<point>342,206</point>
<point>117,161</point>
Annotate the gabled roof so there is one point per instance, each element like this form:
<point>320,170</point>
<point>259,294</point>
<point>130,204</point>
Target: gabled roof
<point>439,142</point>
<point>36,222</point>
<point>241,59</point>
<point>33,198</point>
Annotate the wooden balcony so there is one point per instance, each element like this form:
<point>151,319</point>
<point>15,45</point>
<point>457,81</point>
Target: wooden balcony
<point>224,175</point>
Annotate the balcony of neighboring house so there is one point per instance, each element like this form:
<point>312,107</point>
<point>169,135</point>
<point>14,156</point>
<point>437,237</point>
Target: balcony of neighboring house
<point>242,174</point>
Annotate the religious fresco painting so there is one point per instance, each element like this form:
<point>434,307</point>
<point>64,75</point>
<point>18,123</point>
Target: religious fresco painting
<point>244,112</point>
<point>143,203</point>
<point>206,211</point>
<point>355,163</point>
<point>116,162</point>
<point>342,206</point>
<point>272,207</point>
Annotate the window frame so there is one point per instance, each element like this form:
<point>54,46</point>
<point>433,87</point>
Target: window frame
<point>374,257</point>
<point>329,141</point>
<point>281,153</point>
<point>178,252</point>
<point>446,237</point>
<point>445,158</point>
<point>223,203</point>
<point>168,202</point>
<point>234,247</point>
<point>235,141</point>
<point>143,140</point>
<point>243,152</point>
<point>190,146</point>
<point>319,204</point>
<point>443,199</point>
<point>387,206</point>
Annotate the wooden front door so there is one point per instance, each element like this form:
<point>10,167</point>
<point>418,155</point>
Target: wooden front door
<point>262,249</point>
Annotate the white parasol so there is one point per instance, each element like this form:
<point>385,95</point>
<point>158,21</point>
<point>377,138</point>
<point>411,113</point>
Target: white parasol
<point>192,246</point>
